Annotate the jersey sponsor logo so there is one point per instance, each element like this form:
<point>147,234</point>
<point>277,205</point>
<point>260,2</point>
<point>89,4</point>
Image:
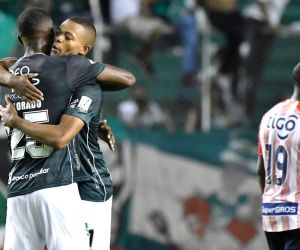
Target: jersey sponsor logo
<point>282,125</point>
<point>73,103</point>
<point>84,104</point>
<point>25,70</point>
<point>277,209</point>
<point>15,178</point>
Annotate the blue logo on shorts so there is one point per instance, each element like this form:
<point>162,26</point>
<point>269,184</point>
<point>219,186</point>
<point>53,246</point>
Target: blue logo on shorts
<point>274,209</point>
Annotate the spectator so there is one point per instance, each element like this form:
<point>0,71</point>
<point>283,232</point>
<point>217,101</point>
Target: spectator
<point>67,9</point>
<point>105,7</point>
<point>182,13</point>
<point>263,19</point>
<point>226,17</point>
<point>140,111</point>
<point>135,16</point>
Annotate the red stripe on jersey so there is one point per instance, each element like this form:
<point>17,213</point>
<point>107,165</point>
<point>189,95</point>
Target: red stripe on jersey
<point>259,149</point>
<point>298,107</point>
<point>273,223</point>
<point>285,223</point>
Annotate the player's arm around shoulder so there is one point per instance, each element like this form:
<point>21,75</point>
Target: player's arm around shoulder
<point>21,84</point>
<point>7,62</point>
<point>57,136</point>
<point>113,78</point>
<point>7,78</point>
<point>68,127</point>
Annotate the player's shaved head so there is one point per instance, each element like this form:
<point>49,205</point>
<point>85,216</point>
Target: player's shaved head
<point>34,22</point>
<point>296,73</point>
<point>75,36</point>
<point>90,31</point>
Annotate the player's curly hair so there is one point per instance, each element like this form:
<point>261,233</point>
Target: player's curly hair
<point>32,21</point>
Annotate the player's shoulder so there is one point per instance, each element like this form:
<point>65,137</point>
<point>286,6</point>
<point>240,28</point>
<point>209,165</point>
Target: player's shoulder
<point>75,58</point>
<point>38,56</point>
<point>36,61</point>
<point>43,59</point>
<point>91,89</point>
<point>279,106</point>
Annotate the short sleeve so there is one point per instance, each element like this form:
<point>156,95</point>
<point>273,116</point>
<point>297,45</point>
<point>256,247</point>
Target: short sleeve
<point>259,148</point>
<point>80,70</point>
<point>85,103</point>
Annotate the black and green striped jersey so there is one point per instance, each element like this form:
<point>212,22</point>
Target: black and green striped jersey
<point>93,178</point>
<point>37,166</point>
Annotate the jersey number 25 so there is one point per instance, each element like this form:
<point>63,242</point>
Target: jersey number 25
<point>31,146</point>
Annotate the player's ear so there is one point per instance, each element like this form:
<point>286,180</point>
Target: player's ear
<point>85,50</point>
<point>20,39</point>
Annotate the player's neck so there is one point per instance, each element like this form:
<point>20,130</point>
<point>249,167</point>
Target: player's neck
<point>30,52</point>
<point>41,46</point>
<point>296,94</point>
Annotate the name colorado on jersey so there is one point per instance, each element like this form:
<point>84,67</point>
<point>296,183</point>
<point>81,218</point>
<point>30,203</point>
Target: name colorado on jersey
<point>278,145</point>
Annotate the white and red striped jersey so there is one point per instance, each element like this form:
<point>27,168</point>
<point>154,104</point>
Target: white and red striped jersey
<point>279,145</point>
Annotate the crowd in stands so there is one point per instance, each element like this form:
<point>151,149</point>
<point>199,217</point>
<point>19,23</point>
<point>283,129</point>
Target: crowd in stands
<point>235,73</point>
<point>236,64</point>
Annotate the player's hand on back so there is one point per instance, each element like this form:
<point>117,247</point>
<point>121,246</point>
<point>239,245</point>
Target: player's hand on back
<point>23,87</point>
<point>105,133</point>
<point>9,113</point>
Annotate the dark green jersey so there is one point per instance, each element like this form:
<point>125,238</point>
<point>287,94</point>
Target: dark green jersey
<point>93,178</point>
<point>36,166</point>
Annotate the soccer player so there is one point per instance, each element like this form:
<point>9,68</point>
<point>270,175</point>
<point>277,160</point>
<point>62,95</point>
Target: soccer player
<point>77,36</point>
<point>278,171</point>
<point>40,174</point>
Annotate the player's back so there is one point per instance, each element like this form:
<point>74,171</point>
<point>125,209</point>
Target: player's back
<point>279,142</point>
<point>52,81</point>
<point>36,166</point>
<point>94,180</point>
